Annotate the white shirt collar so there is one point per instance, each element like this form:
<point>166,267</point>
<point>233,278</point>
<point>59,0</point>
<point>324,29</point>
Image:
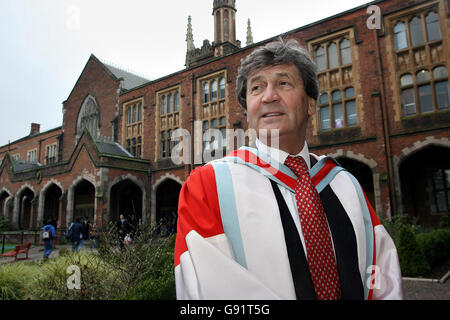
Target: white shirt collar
<point>280,155</point>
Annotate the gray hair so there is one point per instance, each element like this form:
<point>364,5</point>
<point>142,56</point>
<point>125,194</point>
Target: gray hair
<point>276,53</point>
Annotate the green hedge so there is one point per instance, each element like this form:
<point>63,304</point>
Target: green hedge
<point>419,250</point>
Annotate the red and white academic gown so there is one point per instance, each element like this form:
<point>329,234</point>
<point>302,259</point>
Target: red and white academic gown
<point>237,240</point>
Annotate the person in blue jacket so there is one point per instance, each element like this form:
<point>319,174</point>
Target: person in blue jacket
<point>48,234</point>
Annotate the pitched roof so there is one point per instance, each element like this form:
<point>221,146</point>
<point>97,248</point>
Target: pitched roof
<point>130,80</point>
<point>21,165</point>
<point>112,148</point>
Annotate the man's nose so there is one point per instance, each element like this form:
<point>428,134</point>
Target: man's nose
<point>270,94</point>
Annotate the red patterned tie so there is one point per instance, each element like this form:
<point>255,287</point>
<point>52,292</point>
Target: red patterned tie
<point>319,248</point>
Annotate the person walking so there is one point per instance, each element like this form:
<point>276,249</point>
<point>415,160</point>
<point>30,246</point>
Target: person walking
<point>76,235</point>
<point>123,229</point>
<point>86,227</point>
<point>48,234</point>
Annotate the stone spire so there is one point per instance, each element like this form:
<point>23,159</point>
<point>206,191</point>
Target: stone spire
<point>249,33</point>
<point>190,36</point>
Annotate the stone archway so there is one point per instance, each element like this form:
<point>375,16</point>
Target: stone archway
<point>84,200</point>
<point>50,202</point>
<point>71,212</point>
<point>167,192</point>
<point>5,195</point>
<point>405,154</point>
<point>24,202</point>
<point>425,183</point>
<point>126,197</point>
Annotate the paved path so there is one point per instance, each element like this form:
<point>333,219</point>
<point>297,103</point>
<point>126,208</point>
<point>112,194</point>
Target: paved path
<point>412,289</point>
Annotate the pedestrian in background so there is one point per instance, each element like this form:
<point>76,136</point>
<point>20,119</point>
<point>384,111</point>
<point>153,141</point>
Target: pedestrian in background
<point>48,234</point>
<point>76,235</point>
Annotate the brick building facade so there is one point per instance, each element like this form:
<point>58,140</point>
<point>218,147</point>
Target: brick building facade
<point>383,112</point>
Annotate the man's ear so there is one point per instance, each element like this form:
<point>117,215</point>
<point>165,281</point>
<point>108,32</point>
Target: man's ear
<point>312,105</point>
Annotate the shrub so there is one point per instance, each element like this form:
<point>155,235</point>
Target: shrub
<point>412,260</point>
<point>142,270</point>
<point>4,224</point>
<point>435,245</point>
<point>395,223</point>
<point>15,279</point>
<point>97,279</point>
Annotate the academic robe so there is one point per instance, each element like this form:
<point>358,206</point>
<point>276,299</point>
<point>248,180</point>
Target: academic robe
<point>237,240</point>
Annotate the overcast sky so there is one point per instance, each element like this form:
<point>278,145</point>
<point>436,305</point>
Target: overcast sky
<point>46,43</point>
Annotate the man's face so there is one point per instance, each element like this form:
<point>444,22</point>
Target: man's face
<point>276,99</point>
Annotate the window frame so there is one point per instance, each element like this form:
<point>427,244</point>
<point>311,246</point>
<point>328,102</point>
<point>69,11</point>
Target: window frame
<point>167,122</point>
<point>133,127</point>
<point>214,109</point>
<point>343,40</point>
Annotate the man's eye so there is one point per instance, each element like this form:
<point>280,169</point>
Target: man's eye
<point>284,83</point>
<point>255,88</point>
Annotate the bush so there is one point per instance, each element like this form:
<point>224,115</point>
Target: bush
<point>97,279</point>
<point>4,224</point>
<point>142,270</point>
<point>15,279</point>
<point>395,223</point>
<point>435,245</point>
<point>146,266</point>
<point>413,262</point>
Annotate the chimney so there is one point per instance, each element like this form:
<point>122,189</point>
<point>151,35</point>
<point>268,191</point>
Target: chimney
<point>35,129</point>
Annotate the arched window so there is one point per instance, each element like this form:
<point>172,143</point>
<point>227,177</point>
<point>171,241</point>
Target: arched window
<point>332,56</point>
<point>416,31</point>
<point>222,88</point>
<point>406,80</point>
<point>177,101</point>
<point>350,107</point>
<point>205,92</point>
<point>170,103</point>
<point>214,90</point>
<point>337,109</point>
<point>408,95</point>
<point>346,54</point>
<point>89,117</point>
<point>320,59</point>
<point>433,26</point>
<point>163,105</point>
<point>441,87</point>
<point>400,39</point>
<point>422,75</point>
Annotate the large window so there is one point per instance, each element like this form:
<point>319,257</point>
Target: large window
<point>213,113</point>
<point>169,120</point>
<point>409,31</point>
<point>425,91</point>
<point>134,127</point>
<point>420,62</point>
<point>337,103</point>
<point>339,110</point>
<point>51,153</point>
<point>31,155</point>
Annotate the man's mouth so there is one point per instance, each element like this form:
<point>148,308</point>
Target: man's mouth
<point>272,114</point>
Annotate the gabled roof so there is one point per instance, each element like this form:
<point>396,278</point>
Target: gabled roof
<point>130,80</point>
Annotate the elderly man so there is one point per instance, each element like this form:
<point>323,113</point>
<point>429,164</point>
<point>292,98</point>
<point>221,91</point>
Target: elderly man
<point>274,221</point>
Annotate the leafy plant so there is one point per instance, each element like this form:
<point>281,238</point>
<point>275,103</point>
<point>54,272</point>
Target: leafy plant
<point>413,262</point>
